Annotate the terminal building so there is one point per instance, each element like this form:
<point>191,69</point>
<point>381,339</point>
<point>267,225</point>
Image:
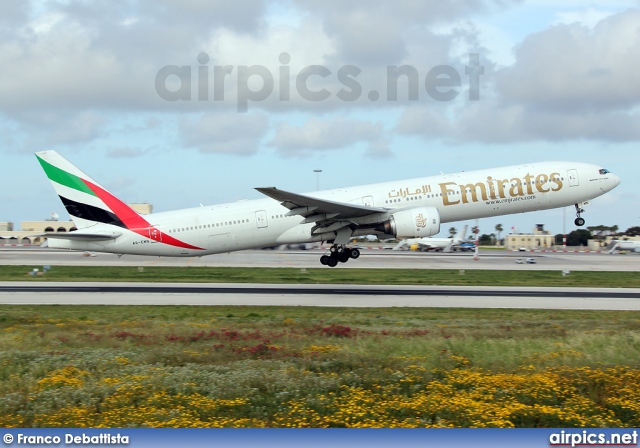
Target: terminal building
<point>32,232</point>
<point>538,239</point>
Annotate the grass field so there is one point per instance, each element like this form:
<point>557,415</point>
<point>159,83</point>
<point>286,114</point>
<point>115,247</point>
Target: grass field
<point>189,366</point>
<point>324,275</point>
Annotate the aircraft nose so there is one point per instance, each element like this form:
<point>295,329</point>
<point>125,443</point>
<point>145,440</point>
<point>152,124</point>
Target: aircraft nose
<point>615,181</point>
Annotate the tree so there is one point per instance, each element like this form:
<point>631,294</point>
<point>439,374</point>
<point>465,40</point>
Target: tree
<point>499,229</point>
<point>487,240</point>
<point>579,237</point>
<point>452,232</point>
<point>601,232</point>
<point>632,231</point>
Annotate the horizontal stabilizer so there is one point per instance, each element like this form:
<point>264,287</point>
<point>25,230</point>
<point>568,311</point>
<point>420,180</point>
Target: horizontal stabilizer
<point>77,236</point>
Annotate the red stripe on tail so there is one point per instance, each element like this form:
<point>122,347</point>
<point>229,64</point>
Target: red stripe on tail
<point>133,220</point>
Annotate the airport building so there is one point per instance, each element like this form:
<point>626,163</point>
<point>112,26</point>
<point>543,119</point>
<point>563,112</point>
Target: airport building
<point>31,232</point>
<point>537,239</point>
<point>540,239</point>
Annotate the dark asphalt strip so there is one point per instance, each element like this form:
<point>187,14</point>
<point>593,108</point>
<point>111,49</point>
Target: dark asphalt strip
<point>133,289</point>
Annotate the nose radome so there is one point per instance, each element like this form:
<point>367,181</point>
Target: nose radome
<point>616,181</point>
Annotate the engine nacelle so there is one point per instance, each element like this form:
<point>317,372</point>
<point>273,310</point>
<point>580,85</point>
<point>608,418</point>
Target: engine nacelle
<point>413,223</point>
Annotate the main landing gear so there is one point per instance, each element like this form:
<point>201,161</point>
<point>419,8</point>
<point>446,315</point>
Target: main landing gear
<point>579,220</point>
<point>339,253</point>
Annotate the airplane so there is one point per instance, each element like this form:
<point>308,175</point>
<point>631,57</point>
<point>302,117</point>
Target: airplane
<point>411,208</point>
<point>617,245</point>
<point>431,243</point>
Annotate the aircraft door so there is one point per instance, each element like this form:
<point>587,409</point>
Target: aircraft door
<point>367,201</point>
<point>573,178</point>
<point>261,219</point>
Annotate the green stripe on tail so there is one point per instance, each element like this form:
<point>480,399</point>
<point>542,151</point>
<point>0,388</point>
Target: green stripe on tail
<point>55,174</point>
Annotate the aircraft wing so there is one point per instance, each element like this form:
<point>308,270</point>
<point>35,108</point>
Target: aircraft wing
<point>327,216</point>
<point>307,206</point>
<point>78,236</point>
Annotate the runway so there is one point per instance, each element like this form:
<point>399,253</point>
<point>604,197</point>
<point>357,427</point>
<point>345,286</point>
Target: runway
<point>325,295</point>
<point>370,258</point>
<point>45,293</point>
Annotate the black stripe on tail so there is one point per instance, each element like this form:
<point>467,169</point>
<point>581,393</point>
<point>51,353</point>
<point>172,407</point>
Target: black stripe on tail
<point>91,213</point>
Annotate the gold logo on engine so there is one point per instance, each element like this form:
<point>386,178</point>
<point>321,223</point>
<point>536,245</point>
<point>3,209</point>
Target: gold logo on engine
<point>420,221</point>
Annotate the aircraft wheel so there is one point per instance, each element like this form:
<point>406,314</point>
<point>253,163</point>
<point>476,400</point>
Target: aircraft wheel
<point>355,253</point>
<point>343,256</point>
<point>325,259</point>
<point>579,222</point>
<point>332,262</point>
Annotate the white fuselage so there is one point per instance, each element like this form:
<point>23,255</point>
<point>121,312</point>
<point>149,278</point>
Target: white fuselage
<point>625,245</point>
<point>460,196</point>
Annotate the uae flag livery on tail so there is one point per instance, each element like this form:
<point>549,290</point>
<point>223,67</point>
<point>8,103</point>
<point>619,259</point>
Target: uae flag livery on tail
<point>90,204</point>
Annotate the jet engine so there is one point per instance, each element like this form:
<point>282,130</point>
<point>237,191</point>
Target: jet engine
<point>412,223</point>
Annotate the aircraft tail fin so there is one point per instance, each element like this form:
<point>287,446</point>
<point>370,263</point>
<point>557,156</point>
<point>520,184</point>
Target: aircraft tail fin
<point>461,234</point>
<point>87,202</point>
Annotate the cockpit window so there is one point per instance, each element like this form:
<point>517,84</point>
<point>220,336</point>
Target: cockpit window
<point>604,171</point>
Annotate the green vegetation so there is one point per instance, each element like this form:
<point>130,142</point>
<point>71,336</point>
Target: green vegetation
<point>326,275</point>
<point>179,366</point>
<point>578,237</point>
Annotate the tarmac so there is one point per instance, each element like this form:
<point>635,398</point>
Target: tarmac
<point>370,258</point>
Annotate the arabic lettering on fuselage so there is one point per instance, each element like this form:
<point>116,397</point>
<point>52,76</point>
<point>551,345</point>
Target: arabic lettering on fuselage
<point>404,192</point>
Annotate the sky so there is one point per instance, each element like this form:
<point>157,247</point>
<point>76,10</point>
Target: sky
<point>186,102</point>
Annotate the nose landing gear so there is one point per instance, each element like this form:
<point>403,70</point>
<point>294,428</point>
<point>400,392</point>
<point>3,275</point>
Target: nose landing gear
<point>579,221</point>
<point>339,253</point>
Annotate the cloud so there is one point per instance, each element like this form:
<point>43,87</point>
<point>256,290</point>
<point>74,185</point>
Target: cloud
<point>573,68</point>
<point>568,82</point>
<point>431,123</point>
<point>70,68</point>
<point>496,123</point>
<point>126,152</point>
<point>77,56</point>
<point>328,135</point>
<point>379,33</point>
<point>83,127</point>
<point>589,16</point>
<point>46,129</point>
<point>238,134</point>
<point>12,13</point>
